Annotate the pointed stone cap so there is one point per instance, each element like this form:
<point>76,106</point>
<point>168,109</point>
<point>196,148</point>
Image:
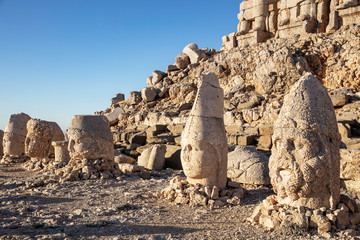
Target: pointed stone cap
<point>17,124</point>
<point>209,100</point>
<point>309,107</point>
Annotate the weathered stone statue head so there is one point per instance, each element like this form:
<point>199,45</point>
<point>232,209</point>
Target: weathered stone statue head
<point>39,136</point>
<point>90,138</point>
<point>305,161</point>
<point>203,141</point>
<point>15,134</point>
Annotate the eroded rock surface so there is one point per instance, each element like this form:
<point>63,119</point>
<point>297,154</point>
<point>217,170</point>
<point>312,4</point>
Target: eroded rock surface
<point>305,161</point>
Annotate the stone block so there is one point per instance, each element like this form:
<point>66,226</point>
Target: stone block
<point>135,97</point>
<point>153,158</point>
<point>264,142</point>
<point>137,138</point>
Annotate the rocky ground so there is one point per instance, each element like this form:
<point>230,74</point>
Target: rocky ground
<point>39,207</point>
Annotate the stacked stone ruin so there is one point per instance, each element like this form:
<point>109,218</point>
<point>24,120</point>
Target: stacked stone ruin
<point>260,20</point>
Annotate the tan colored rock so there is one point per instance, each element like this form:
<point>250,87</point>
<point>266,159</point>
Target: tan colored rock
<point>118,98</point>
<point>126,167</point>
<point>203,141</point>
<point>14,135</point>
<point>1,143</point>
<point>247,165</point>
<point>148,94</point>
<point>305,161</point>
<point>90,138</point>
<point>153,158</point>
<point>122,158</point>
<point>182,61</point>
<point>61,151</point>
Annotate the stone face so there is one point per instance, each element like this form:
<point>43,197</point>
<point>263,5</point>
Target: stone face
<point>61,151</point>
<point>247,165</point>
<point>15,134</point>
<point>90,138</point>
<point>305,161</point>
<point>153,158</point>
<point>39,136</point>
<point>203,141</point>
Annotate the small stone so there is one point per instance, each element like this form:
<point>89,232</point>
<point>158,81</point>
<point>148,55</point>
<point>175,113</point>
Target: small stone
<point>342,217</point>
<point>215,193</point>
<point>219,203</point>
<point>317,212</point>
<point>233,184</point>
<point>234,201</point>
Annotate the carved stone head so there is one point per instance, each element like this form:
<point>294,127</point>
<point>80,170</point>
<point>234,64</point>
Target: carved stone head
<point>15,134</point>
<point>203,142</point>
<point>305,161</point>
<point>90,138</point>
<point>39,136</point>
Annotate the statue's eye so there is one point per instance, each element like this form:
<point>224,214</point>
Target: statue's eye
<point>290,144</point>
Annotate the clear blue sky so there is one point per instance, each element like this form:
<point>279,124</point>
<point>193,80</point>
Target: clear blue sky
<point>59,58</point>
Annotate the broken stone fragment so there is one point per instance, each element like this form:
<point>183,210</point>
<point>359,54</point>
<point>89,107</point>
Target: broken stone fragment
<point>148,94</point>
<point>193,52</point>
<point>153,158</point>
<point>182,61</point>
<point>118,98</point>
<point>61,151</point>
<point>135,97</point>
<point>122,158</point>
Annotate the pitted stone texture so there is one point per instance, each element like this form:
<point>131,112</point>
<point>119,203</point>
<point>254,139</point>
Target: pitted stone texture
<point>182,61</point>
<point>39,136</point>
<point>90,138</point>
<point>153,158</point>
<point>249,166</point>
<point>61,151</point>
<point>1,141</point>
<point>305,161</point>
<point>15,134</point>
<point>195,54</point>
<point>134,97</point>
<point>203,141</point>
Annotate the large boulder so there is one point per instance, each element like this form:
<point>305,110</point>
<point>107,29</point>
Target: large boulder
<point>249,166</point>
<point>182,61</point>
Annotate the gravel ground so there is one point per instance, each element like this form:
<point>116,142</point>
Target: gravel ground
<point>37,207</point>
